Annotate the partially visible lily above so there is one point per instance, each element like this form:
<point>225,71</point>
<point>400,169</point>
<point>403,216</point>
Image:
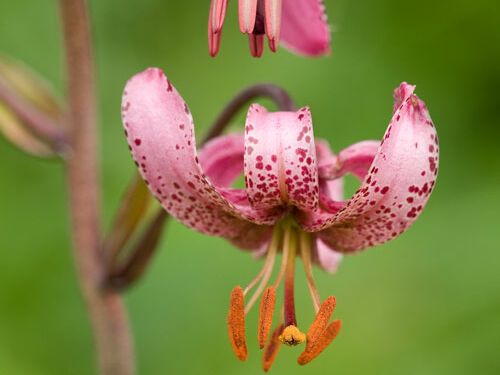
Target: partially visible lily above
<point>292,203</point>
<point>300,25</point>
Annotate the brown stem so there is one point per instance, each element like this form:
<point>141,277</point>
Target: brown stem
<point>37,122</point>
<point>122,276</point>
<point>108,315</point>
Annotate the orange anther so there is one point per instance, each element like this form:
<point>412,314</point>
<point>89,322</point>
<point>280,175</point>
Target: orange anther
<point>266,315</point>
<point>236,324</point>
<point>321,344</point>
<point>272,348</point>
<point>320,322</point>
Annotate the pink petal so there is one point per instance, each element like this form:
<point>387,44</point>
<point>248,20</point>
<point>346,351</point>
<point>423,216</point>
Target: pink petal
<point>256,238</point>
<point>280,159</point>
<point>331,193</point>
<point>160,132</point>
<point>398,185</point>
<point>326,258</point>
<point>222,159</point>
<point>355,159</point>
<point>247,10</point>
<point>304,27</point>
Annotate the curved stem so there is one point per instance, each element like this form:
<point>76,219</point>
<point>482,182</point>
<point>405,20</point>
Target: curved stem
<point>267,90</point>
<point>106,309</point>
<point>122,276</point>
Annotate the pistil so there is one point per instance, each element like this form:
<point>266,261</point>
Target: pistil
<point>290,319</point>
<point>291,335</point>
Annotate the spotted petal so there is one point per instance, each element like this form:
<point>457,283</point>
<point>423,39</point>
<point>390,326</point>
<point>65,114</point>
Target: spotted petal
<point>304,27</point>
<point>280,159</point>
<point>398,185</point>
<point>160,132</point>
<point>222,159</point>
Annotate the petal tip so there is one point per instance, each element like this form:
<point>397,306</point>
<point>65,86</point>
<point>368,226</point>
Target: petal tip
<point>402,93</point>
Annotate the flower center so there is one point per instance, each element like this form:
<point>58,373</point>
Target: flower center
<point>289,239</point>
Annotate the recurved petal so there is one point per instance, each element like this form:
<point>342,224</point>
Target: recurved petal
<point>222,159</point>
<point>398,185</point>
<point>355,159</point>
<point>326,257</point>
<point>160,132</point>
<point>304,27</point>
<point>331,193</point>
<point>280,159</point>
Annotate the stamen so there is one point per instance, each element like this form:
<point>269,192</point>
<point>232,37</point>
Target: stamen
<point>273,247</point>
<point>266,315</point>
<point>305,249</point>
<point>320,322</point>
<point>291,334</point>
<point>272,348</point>
<point>236,324</point>
<point>286,247</point>
<point>267,262</point>
<point>326,338</point>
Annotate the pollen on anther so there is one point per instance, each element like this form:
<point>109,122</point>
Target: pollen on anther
<point>236,324</point>
<point>322,343</point>
<point>320,322</point>
<point>272,348</point>
<point>266,315</point>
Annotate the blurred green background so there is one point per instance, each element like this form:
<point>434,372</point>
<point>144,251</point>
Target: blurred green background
<point>425,303</point>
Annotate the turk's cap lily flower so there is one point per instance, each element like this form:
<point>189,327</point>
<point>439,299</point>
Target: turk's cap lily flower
<point>293,200</point>
<point>300,25</point>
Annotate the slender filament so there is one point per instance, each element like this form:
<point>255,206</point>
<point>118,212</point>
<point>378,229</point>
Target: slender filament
<point>268,269</point>
<point>305,249</point>
<point>269,259</point>
<point>286,246</point>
